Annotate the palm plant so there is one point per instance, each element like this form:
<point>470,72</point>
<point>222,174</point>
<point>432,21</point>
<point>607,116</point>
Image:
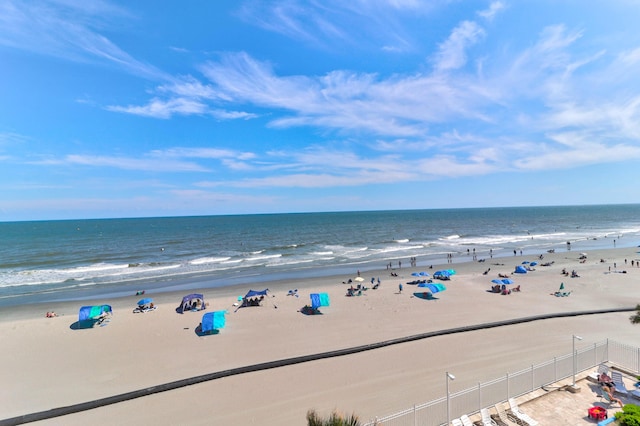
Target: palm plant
<point>635,318</point>
<point>335,419</point>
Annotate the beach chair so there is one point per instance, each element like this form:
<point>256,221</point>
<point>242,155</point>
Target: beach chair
<point>486,418</point>
<point>505,419</point>
<point>466,421</point>
<point>456,422</point>
<point>515,410</point>
<point>607,399</point>
<point>617,380</point>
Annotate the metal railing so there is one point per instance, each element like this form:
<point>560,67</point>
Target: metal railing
<point>512,385</point>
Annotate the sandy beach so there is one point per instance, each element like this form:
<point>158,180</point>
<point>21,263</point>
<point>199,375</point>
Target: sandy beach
<point>47,363</point>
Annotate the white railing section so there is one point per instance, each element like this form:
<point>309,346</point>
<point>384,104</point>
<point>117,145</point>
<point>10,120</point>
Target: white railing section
<point>512,385</point>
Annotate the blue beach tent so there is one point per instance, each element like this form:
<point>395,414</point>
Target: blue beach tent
<point>93,312</point>
<point>520,270</point>
<point>212,322</point>
<point>191,302</point>
<point>319,299</point>
<point>442,275</point>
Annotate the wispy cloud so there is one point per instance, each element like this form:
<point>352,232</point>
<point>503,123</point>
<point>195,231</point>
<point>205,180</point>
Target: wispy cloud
<point>158,108</point>
<point>493,10</point>
<point>452,54</point>
<point>69,30</point>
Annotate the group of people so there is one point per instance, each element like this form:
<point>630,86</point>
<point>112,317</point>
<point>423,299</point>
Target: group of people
<point>252,301</point>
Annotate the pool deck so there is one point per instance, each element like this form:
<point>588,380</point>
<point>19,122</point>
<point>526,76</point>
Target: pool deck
<point>557,405</point>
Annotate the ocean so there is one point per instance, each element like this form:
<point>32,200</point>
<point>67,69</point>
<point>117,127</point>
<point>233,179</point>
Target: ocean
<point>43,261</point>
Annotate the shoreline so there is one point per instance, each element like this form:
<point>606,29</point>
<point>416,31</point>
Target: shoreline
<point>212,282</point>
<point>60,366</point>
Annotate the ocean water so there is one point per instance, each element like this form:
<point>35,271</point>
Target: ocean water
<point>78,259</point>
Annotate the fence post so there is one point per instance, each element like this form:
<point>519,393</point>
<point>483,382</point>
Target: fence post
<point>507,385</point>
<point>532,378</point>
<point>415,420</point>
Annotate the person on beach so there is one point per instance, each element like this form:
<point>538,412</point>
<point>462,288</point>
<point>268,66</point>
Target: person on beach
<point>400,287</point>
<point>51,314</point>
<point>609,391</point>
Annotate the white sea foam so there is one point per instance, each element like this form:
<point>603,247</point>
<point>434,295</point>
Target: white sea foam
<point>205,260</point>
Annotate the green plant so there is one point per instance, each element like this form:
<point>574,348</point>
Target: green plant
<point>635,318</point>
<point>335,419</point>
<point>629,416</point>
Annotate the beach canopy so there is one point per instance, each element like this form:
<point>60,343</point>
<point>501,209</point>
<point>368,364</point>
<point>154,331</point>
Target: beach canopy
<point>93,312</point>
<point>253,293</point>
<point>319,299</point>
<point>145,301</point>
<point>520,270</point>
<point>433,287</point>
<point>442,275</point>
<point>191,302</point>
<point>212,321</point>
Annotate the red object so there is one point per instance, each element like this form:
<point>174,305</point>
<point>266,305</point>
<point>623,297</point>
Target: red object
<point>598,413</point>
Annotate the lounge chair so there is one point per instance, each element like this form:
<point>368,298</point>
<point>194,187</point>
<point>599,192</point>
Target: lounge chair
<point>505,419</point>
<point>617,380</point>
<point>486,418</point>
<point>456,422</point>
<point>466,421</point>
<point>515,410</point>
<point>607,399</point>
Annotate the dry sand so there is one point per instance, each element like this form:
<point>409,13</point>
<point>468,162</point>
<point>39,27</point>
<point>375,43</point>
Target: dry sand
<point>45,363</point>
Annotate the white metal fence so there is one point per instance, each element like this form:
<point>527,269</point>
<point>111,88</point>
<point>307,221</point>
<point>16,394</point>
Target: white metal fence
<point>470,401</point>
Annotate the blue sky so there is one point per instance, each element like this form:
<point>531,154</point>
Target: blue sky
<point>159,108</point>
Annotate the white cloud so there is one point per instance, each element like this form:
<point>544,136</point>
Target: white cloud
<point>69,30</point>
<point>452,53</point>
<point>128,163</point>
<point>493,10</point>
<point>158,108</point>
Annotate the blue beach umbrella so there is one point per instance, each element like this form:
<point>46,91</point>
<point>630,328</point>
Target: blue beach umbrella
<point>145,301</point>
<point>507,281</point>
<point>497,281</point>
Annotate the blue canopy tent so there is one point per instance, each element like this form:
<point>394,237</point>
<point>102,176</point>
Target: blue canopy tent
<point>520,270</point>
<point>191,302</point>
<point>93,312</point>
<point>442,275</point>
<point>91,315</point>
<point>254,297</point>
<point>319,299</point>
<point>213,322</point>
<point>430,289</point>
